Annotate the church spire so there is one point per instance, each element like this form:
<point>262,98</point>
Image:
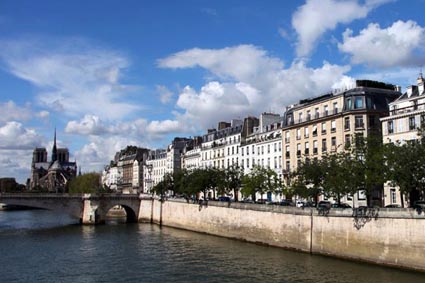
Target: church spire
<point>54,150</point>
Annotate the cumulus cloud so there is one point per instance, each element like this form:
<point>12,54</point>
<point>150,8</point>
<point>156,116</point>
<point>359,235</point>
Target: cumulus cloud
<point>88,125</point>
<point>10,111</point>
<point>165,95</point>
<point>100,150</point>
<point>401,44</point>
<point>12,132</point>
<point>248,82</point>
<point>73,77</point>
<point>16,164</point>
<point>315,17</point>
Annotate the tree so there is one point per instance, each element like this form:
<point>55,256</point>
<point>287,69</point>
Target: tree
<point>260,180</point>
<point>232,180</point>
<point>166,185</point>
<point>406,168</point>
<point>369,154</point>
<point>309,178</point>
<point>86,183</point>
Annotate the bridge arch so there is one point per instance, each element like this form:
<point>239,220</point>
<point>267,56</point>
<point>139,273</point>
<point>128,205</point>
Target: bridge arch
<point>130,206</point>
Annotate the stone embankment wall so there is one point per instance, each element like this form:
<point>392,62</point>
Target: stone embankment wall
<point>393,237</point>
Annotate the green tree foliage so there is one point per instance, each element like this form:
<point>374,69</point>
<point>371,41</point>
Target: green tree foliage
<point>260,180</point>
<point>232,180</point>
<point>164,186</point>
<point>86,183</point>
<point>406,168</point>
<point>309,178</point>
<point>368,154</point>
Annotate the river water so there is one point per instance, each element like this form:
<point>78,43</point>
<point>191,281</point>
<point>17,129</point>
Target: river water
<point>40,246</point>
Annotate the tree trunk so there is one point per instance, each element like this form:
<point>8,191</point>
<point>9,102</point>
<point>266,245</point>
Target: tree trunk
<point>401,199</point>
<point>236,195</point>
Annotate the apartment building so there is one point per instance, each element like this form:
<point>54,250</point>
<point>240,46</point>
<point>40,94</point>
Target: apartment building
<point>264,147</point>
<point>191,156</point>
<point>220,147</point>
<point>327,123</point>
<point>407,114</point>
<point>155,168</point>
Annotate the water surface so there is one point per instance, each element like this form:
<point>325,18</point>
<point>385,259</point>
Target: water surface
<point>40,246</point>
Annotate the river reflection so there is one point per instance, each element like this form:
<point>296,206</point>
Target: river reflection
<point>41,246</point>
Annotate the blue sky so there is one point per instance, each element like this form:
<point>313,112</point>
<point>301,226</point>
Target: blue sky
<point>111,73</point>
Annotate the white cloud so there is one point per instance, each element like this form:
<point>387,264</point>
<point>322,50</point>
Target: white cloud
<point>73,77</point>
<point>402,44</point>
<point>163,127</point>
<point>99,151</point>
<point>12,132</point>
<point>10,111</point>
<point>315,17</point>
<point>165,95</point>
<point>258,83</point>
<point>15,164</point>
<point>240,62</point>
<point>88,125</point>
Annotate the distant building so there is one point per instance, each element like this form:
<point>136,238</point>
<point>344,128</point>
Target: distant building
<point>327,124</point>
<point>407,115</point>
<point>129,172</point>
<point>52,175</point>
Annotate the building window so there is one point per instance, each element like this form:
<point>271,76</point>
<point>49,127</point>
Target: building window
<point>323,128</point>
<point>300,115</point>
<point>393,196</point>
<point>308,115</point>
<point>316,113</point>
<point>307,148</point>
<point>358,102</point>
<point>333,126</point>
<point>306,132</point>
<point>314,147</point>
<point>347,123</point>
<point>333,143</point>
<point>262,149</point>
<point>288,166</point>
<point>280,146</point>
<point>324,145</point>
<point>412,123</point>
<point>253,149</point>
<point>325,109</point>
<point>242,150</point>
<point>314,130</point>
<point>247,163</point>
<point>390,126</point>
<point>298,134</point>
<point>347,141</point>
<point>287,151</point>
<point>275,147</point>
<point>335,106</point>
<point>359,122</point>
<point>371,121</point>
<point>349,104</point>
<point>287,136</point>
<point>299,149</point>
<point>422,120</point>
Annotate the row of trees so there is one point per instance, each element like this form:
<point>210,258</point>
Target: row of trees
<point>366,165</point>
<point>219,182</point>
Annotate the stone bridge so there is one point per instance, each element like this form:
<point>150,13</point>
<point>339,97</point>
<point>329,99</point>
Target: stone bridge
<point>89,208</point>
